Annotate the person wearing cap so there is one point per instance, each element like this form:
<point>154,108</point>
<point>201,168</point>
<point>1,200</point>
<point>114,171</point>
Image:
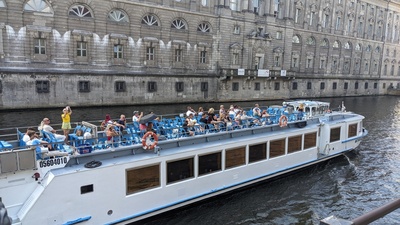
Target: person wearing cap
<point>106,121</point>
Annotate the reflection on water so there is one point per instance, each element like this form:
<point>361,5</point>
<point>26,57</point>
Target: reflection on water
<point>345,187</point>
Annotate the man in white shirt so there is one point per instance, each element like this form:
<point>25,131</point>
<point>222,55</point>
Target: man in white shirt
<point>46,127</point>
<point>136,117</point>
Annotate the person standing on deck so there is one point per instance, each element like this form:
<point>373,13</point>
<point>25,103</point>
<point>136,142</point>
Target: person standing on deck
<point>66,121</point>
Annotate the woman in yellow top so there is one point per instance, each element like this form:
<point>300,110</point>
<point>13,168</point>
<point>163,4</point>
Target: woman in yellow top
<point>66,121</point>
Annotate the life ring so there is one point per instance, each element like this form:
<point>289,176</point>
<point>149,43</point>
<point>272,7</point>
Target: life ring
<point>93,164</point>
<point>147,143</point>
<point>283,121</point>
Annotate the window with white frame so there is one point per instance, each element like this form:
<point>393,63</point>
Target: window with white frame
<point>236,29</point>
<point>297,15</point>
<point>34,5</point>
<point>178,54</point>
<point>40,46</point>
<point>203,56</point>
<point>118,51</point>
<point>204,27</point>
<point>150,52</point>
<point>117,15</point>
<point>150,20</point>
<point>204,2</point>
<point>277,61</point>
<point>178,24</point>
<point>81,49</point>
<point>279,35</point>
<point>80,11</point>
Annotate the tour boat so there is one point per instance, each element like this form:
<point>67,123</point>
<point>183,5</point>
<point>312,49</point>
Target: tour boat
<point>137,176</point>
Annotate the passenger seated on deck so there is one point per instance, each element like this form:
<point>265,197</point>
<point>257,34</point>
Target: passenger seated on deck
<point>212,118</point>
<point>264,113</point>
<point>121,123</point>
<point>40,149</point>
<point>188,125</point>
<point>44,125</point>
<point>26,136</point>
<point>105,122</point>
<point>256,111</point>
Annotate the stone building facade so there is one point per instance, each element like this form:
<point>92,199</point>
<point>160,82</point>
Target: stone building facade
<point>124,52</point>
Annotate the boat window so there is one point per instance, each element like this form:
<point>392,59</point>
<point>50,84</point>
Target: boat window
<point>294,144</point>
<point>235,157</point>
<point>144,178</point>
<point>180,170</point>
<point>209,163</point>
<point>310,140</point>
<point>352,130</point>
<point>335,134</point>
<point>86,189</point>
<point>277,148</point>
<point>257,152</point>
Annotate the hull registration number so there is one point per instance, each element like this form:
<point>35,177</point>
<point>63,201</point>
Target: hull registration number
<point>53,162</point>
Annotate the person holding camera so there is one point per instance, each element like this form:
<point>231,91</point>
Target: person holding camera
<point>66,121</point>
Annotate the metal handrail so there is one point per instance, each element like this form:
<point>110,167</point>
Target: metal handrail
<point>377,213</point>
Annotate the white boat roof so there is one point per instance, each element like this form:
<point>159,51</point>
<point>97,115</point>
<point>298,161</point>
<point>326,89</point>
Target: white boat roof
<point>307,103</point>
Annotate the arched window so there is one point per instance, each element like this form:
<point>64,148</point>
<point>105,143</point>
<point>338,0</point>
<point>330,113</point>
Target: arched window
<point>377,49</point>
<point>358,47</point>
<point>2,4</point>
<point>117,15</point>
<point>347,45</point>
<point>178,24</point>
<point>310,41</point>
<point>204,27</point>
<point>336,44</point>
<point>368,48</point>
<point>80,11</point>
<point>296,39</point>
<point>36,5</point>
<point>150,20</point>
<point>324,43</point>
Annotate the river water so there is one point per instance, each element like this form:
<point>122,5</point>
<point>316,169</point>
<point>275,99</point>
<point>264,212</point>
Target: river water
<point>345,187</point>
